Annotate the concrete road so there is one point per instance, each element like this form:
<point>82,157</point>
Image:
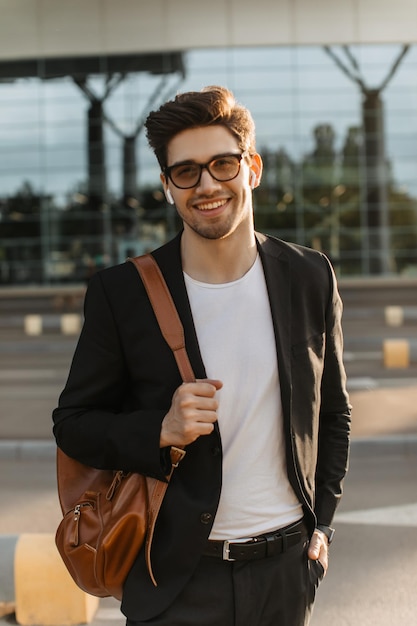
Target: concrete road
<point>373,571</point>
<point>372,577</point>
<point>33,371</point>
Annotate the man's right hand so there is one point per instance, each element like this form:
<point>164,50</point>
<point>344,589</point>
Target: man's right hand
<point>193,413</point>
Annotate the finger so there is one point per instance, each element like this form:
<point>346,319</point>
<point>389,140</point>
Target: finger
<point>318,549</point>
<point>217,384</point>
<point>313,550</point>
<point>316,543</point>
<point>204,428</point>
<point>190,407</point>
<point>209,417</point>
<point>201,388</point>
<point>196,399</point>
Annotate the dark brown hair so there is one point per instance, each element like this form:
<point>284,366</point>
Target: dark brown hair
<point>210,106</point>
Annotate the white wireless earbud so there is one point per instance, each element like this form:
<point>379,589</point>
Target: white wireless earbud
<point>252,179</point>
<point>169,197</point>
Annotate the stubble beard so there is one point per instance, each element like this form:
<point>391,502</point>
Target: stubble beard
<point>215,230</point>
<point>210,232</point>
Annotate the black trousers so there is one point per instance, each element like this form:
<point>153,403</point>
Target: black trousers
<point>275,591</point>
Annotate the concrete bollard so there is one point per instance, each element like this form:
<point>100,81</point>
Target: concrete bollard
<point>33,325</point>
<point>396,353</point>
<point>394,315</point>
<point>44,591</point>
<point>7,550</point>
<point>70,324</point>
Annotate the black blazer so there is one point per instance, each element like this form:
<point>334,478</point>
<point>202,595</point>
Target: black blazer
<point>123,377</point>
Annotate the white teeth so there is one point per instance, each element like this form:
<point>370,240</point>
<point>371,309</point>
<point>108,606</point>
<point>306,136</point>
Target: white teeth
<point>211,205</point>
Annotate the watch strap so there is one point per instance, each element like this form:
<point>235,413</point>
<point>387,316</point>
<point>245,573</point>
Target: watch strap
<point>327,530</point>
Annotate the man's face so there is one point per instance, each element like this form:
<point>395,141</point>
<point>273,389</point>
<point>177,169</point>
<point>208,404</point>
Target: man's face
<point>212,209</point>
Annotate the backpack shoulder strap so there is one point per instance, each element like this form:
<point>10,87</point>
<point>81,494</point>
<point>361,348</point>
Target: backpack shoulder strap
<point>165,311</point>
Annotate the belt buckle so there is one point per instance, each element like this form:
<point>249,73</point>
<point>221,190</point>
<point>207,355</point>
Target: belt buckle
<point>228,542</point>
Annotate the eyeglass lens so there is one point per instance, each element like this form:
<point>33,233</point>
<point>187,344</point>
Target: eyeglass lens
<point>187,175</point>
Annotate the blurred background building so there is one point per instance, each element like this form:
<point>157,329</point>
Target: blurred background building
<point>332,87</point>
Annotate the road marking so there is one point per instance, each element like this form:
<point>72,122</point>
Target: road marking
<point>404,515</point>
<point>363,382</point>
<point>362,356</point>
<point>109,615</point>
<point>359,383</point>
<point>33,374</point>
<point>31,392</point>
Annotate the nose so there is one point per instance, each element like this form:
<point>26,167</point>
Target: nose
<point>207,182</point>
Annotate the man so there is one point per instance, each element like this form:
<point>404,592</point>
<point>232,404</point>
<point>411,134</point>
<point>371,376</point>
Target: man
<point>242,536</point>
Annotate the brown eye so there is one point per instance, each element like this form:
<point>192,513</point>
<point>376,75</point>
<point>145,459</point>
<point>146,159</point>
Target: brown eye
<point>185,172</point>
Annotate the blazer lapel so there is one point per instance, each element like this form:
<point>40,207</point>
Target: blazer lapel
<point>277,276</point>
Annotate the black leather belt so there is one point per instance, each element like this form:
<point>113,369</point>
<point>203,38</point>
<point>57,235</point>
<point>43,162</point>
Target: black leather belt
<point>269,544</point>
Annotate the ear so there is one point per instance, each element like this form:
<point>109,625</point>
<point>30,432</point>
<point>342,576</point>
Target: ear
<point>167,192</point>
<point>255,170</point>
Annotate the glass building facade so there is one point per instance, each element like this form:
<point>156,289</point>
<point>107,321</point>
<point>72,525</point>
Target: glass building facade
<point>336,127</point>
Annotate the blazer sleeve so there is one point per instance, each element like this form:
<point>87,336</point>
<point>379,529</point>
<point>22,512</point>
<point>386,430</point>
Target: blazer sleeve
<point>335,410</point>
<point>95,421</point>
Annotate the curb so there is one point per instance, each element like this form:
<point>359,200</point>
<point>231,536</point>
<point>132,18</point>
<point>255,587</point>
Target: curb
<point>37,324</point>
<point>45,449</point>
<point>27,450</point>
<point>399,445</point>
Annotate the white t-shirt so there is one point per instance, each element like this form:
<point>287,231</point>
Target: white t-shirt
<point>237,342</point>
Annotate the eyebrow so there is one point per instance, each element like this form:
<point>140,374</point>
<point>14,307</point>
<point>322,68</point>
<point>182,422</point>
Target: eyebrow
<point>213,158</point>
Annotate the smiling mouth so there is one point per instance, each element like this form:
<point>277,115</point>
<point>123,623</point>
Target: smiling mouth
<point>209,206</point>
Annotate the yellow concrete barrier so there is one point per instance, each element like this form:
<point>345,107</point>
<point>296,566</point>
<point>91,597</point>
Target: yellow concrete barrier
<point>394,315</point>
<point>70,323</point>
<point>33,325</point>
<point>396,353</point>
<point>44,591</point>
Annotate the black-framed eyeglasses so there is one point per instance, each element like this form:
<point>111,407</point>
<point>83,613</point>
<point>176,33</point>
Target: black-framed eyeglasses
<point>222,168</point>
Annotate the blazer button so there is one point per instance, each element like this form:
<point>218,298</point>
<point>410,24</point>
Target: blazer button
<point>215,450</point>
<point>205,518</point>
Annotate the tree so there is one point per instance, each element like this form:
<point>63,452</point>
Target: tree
<point>376,229</point>
<point>20,230</point>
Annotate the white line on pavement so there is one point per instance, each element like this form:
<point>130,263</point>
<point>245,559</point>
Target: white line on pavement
<point>10,375</point>
<point>109,615</point>
<point>362,356</point>
<point>405,515</point>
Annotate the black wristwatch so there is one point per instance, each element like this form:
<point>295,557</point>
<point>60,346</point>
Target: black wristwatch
<point>329,532</point>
